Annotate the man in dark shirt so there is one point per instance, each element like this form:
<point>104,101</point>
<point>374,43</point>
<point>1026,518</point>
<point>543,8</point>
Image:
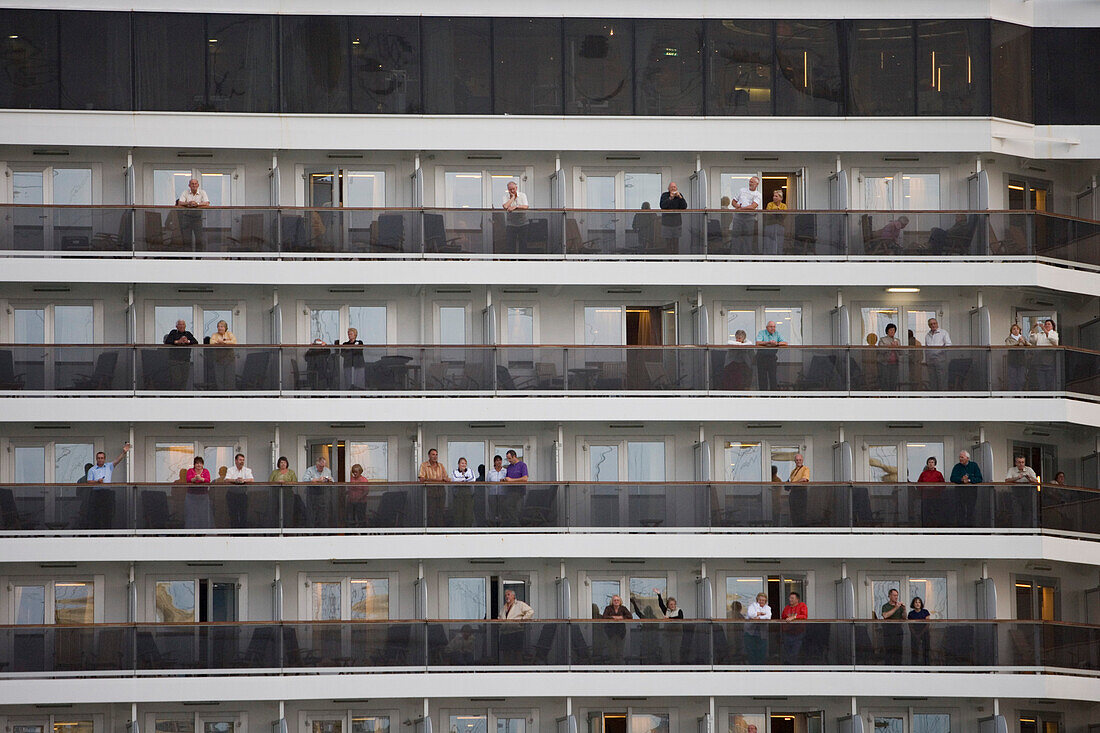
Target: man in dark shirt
<point>671,223</point>
<point>966,471</point>
<point>179,360</point>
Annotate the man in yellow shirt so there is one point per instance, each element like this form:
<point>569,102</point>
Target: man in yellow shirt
<point>432,472</point>
<point>800,474</point>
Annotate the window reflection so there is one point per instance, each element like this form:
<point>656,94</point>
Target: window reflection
<point>880,68</point>
<point>951,78</point>
<point>739,57</point>
<point>467,598</point>
<point>527,66</point>
<point>457,69</point>
<point>1010,68</point>
<point>599,67</point>
<point>381,724</point>
<point>370,599</point>
<point>315,64</point>
<point>175,601</point>
<point>808,68</point>
<point>669,71</point>
<point>240,58</point>
<point>95,60</point>
<point>385,65</point>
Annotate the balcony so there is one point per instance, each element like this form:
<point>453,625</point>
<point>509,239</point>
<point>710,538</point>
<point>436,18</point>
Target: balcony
<point>297,233</point>
<point>372,371</point>
<point>539,646</point>
<point>412,508</point>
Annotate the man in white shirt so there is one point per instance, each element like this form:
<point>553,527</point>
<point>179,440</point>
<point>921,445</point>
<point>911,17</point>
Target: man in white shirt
<point>748,200</point>
<point>236,498</point>
<point>193,198</point>
<point>515,221</point>
<point>515,610</point>
<point>1045,363</point>
<point>1021,473</point>
<point>936,360</point>
<point>318,498</point>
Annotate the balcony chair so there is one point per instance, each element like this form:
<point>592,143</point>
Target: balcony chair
<point>109,242</point>
<point>149,655</point>
<point>506,381</point>
<point>391,232</point>
<point>544,646</point>
<point>395,650</point>
<point>252,237</point>
<point>547,377</point>
<point>391,510</point>
<point>154,369</point>
<point>10,517</point>
<point>575,244</point>
<point>295,656</point>
<point>435,235</point>
<point>254,374</point>
<point>805,234</point>
<point>539,507</point>
<point>8,378</point>
<point>873,245</point>
<point>821,375</point>
<point>660,379</point>
<point>154,510</point>
<point>538,236</point>
<point>292,232</point>
<point>103,374</point>
<point>301,380</point>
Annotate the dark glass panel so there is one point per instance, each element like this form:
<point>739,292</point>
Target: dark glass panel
<point>599,60</point>
<point>808,68</point>
<point>457,66</point>
<point>315,64</point>
<point>385,65</point>
<point>739,54</point>
<point>241,62</point>
<point>527,67</point>
<point>95,61</point>
<point>952,76</point>
<point>880,68</point>
<point>1065,76</point>
<point>669,70</point>
<point>170,61</point>
<point>1010,64</point>
<point>28,59</point>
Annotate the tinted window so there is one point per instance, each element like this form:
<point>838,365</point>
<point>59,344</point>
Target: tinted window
<point>739,58</point>
<point>669,67</point>
<point>1010,63</point>
<point>951,78</point>
<point>241,63</point>
<point>1065,76</point>
<point>28,64</point>
<point>599,60</point>
<point>527,66</point>
<point>170,61</point>
<point>95,61</point>
<point>457,66</point>
<point>807,68</point>
<point>315,64</point>
<point>385,65</point>
<point>880,68</point>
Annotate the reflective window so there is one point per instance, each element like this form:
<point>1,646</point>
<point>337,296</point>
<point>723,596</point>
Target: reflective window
<point>463,190</point>
<point>467,598</point>
<point>468,724</point>
<point>175,601</point>
<point>640,187</point>
<point>174,725</point>
<point>373,456</point>
<point>882,463</point>
<point>95,61</point>
<point>788,323</point>
<point>381,724</point>
<point>744,461</point>
<point>73,602</point>
<point>741,593</point>
<point>168,185</point>
<point>472,450</point>
<point>511,725</point>
<point>740,722</point>
<point>519,325</point>
<point>315,64</point>
<point>69,460</point>
<point>28,187</point>
<point>741,320</point>
<point>1065,88</point>
<point>648,723</point>
<point>880,68</point>
<point>30,326</point>
<point>931,723</point>
<point>385,65</point>
<point>72,186</point>
<point>668,75</point>
<point>324,324</point>
<point>1010,68</point>
<point>30,604</point>
<point>457,68</point>
<point>326,600</point>
<point>370,599</point>
<point>599,61</point>
<point>602,591</point>
<point>30,464</point>
<point>165,318</point>
<point>643,596</point>
<point>365,188</point>
<point>952,78</point>
<point>807,78</point>
<point>28,59</point>
<point>452,324</point>
<point>240,59</point>
<point>917,455</point>
<point>370,322</point>
<point>603,462</point>
<point>527,66</point>
<point>889,724</point>
<point>603,325</point>
<point>782,458</point>
<point>170,61</point>
<point>645,460</point>
<point>172,461</point>
<point>739,58</point>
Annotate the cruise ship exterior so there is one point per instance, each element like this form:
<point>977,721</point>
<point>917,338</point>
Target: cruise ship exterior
<point>768,335</point>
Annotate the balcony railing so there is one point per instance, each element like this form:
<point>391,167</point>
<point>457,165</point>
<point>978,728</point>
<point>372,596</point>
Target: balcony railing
<point>340,647</point>
<point>294,233</point>
<point>154,509</point>
<point>506,370</point>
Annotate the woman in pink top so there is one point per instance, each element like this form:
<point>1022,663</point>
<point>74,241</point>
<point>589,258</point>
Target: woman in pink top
<point>357,497</point>
<point>197,510</point>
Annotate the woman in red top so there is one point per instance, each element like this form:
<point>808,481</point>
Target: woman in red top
<point>197,510</point>
<point>930,475</point>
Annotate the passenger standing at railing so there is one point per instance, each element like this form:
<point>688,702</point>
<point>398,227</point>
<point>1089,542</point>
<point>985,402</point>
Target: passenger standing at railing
<point>795,610</point>
<point>1015,364</point>
<point>463,515</point>
<point>775,231</point>
<point>672,224</point>
<point>893,610</point>
<point>191,221</point>
<point>432,471</point>
<point>756,641</point>
<point>236,497</point>
<point>1045,362</point>
<point>888,370</point>
<point>319,498</point>
<point>179,360</point>
<point>103,499</point>
<point>281,475</point>
<point>748,200</point>
<point>515,220</point>
<point>516,472</point>
<point>357,497</point>
<point>197,512</point>
<point>936,358</point>
<point>918,632</point>
<point>966,471</point>
<point>767,360</point>
<point>797,498</point>
<point>933,512</point>
<point>355,368</point>
<point>225,360</point>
